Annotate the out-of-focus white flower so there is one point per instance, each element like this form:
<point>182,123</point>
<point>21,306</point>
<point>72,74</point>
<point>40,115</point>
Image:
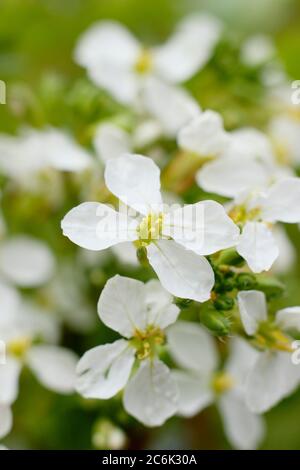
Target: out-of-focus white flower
<point>258,203</point>
<point>140,313</point>
<point>117,62</point>
<point>35,151</point>
<point>204,136</point>
<point>22,325</point>
<point>107,435</point>
<point>26,261</point>
<point>257,50</point>
<point>176,240</point>
<point>201,383</point>
<point>273,375</point>
<point>285,133</point>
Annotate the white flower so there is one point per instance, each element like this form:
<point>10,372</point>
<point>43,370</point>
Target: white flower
<point>21,324</point>
<point>116,61</point>
<point>273,375</point>
<point>201,382</point>
<point>175,240</point>
<point>37,150</point>
<point>262,198</point>
<point>140,313</point>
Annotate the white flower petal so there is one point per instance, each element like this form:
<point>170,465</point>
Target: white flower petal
<point>182,272</point>
<point>243,429</point>
<point>171,106</point>
<point>230,176</point>
<point>250,143</point>
<point>9,303</point>
<point>61,151</point>
<point>104,370</point>
<point>203,227</point>
<point>188,49</point>
<point>106,41</point>
<point>110,141</point>
<point>135,180</point>
<point>272,378</point>
<point>9,380</point>
<point>192,347</point>
<point>257,246</point>
<point>241,360</point>
<point>253,309</point>
<point>126,253</point>
<point>204,135</point>
<point>122,305</point>
<point>96,226</point>
<point>26,261</point>
<point>160,309</point>
<point>109,52</point>
<point>195,393</point>
<point>289,318</point>
<point>6,419</point>
<point>151,394</point>
<point>54,367</point>
<point>282,201</point>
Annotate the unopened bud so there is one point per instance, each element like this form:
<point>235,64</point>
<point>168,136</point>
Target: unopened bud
<point>215,321</point>
<point>271,286</point>
<point>245,281</point>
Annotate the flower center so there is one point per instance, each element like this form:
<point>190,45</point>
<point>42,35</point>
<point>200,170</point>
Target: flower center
<point>147,342</point>
<point>222,382</point>
<point>240,215</point>
<point>19,346</point>
<point>150,228</point>
<point>144,62</point>
<point>270,337</point>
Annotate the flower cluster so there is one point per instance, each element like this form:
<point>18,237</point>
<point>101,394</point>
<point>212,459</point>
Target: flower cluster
<point>181,219</point>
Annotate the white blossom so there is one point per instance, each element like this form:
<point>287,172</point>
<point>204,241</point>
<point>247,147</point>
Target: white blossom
<point>273,375</point>
<point>176,240</point>
<point>201,382</point>
<point>140,313</point>
<point>117,62</point>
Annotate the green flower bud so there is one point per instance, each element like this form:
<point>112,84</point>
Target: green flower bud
<point>271,286</point>
<point>223,302</point>
<point>245,281</point>
<point>215,321</point>
<point>230,257</point>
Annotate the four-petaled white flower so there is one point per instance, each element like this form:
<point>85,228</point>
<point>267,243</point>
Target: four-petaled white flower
<point>176,240</point>
<point>22,327</point>
<point>35,151</point>
<point>140,313</point>
<point>263,195</point>
<point>117,62</point>
<point>201,381</point>
<point>273,376</point>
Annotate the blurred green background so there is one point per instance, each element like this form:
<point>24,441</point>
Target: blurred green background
<point>44,85</point>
